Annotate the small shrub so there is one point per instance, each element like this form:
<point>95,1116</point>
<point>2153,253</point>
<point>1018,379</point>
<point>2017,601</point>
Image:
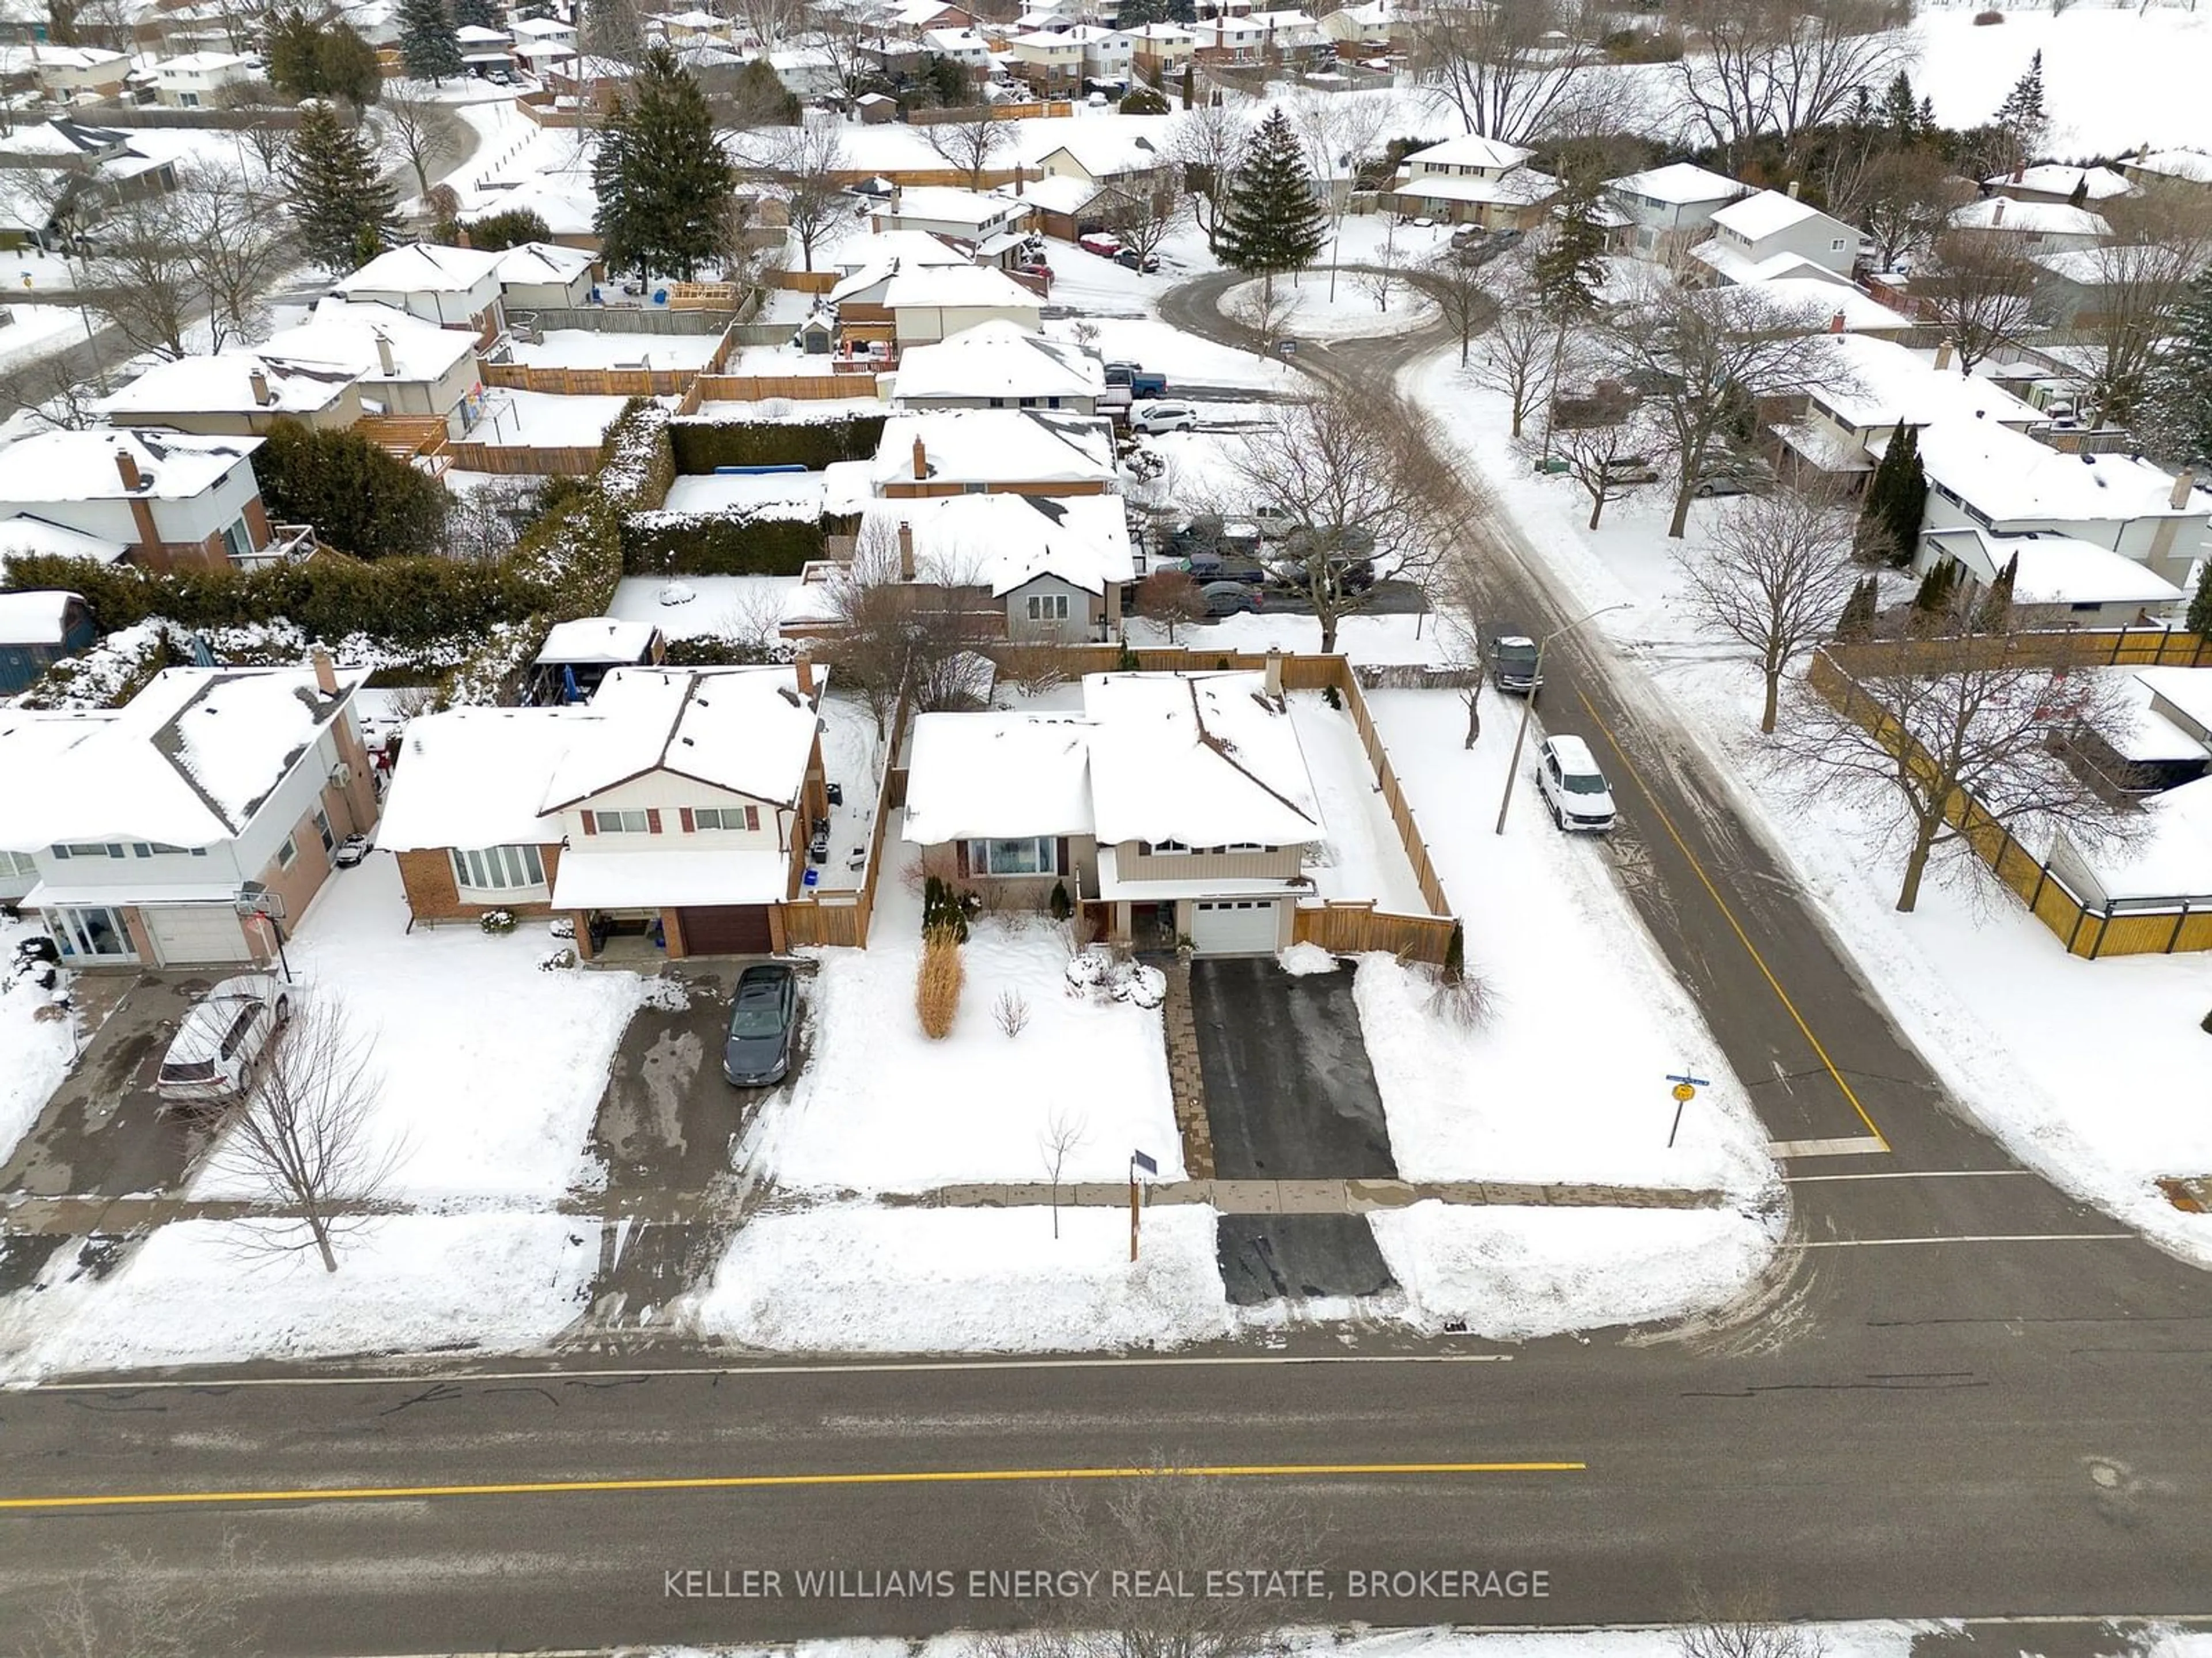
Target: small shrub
<point>1012,1010</point>
<point>1125,662</point>
<point>1467,1001</point>
<point>559,961</point>
<point>937,987</point>
<point>1060,905</point>
<point>497,922</point>
<point>1331,696</point>
<point>2205,1025</point>
<point>944,908</point>
<point>1984,19</point>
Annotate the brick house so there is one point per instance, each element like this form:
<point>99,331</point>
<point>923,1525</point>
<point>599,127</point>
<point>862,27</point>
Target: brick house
<point>164,499</point>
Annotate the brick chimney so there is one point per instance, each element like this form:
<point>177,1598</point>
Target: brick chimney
<point>803,665</point>
<point>259,383</point>
<point>1836,322</point>
<point>1996,213</point>
<point>127,465</point>
<point>2183,482</point>
<point>921,460</point>
<point>2020,172</point>
<point>461,237</point>
<point>327,678</point>
<point>906,552</point>
<point>383,358</point>
<point>1943,354</point>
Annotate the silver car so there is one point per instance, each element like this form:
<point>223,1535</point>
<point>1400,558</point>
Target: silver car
<point>211,1059</point>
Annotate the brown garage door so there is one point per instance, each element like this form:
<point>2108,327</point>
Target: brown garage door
<point>725,930</point>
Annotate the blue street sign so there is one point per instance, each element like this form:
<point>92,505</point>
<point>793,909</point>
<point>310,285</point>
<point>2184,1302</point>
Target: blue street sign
<point>1143,1164</point>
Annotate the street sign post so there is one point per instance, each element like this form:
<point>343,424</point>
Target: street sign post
<point>1138,1161</point>
<point>1685,1090</point>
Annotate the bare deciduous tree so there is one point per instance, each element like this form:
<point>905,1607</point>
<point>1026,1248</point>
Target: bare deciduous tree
<point>968,144</point>
<point>805,161</point>
<point>136,1604</point>
<point>2161,237</point>
<point>265,137</point>
<point>1519,354</point>
<point>1708,357</point>
<point>305,1133</point>
<point>1783,66</point>
<point>1456,284</point>
<point>1602,456</point>
<point>1902,198</point>
<point>1965,716</point>
<point>1356,469</point>
<point>1773,574</point>
<point>1063,1133</point>
<point>1140,214</point>
<point>1207,143</point>
<point>1513,69</point>
<point>141,282</point>
<point>240,246</point>
<point>1978,287</point>
<point>420,132</point>
<point>1170,598</point>
<point>1457,597</point>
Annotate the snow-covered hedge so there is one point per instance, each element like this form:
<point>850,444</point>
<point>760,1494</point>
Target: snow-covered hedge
<point>735,542</point>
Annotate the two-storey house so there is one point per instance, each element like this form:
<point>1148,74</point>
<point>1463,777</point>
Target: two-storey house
<point>162,499</point>
<point>1031,567</point>
<point>401,364</point>
<point>1770,234</point>
<point>1868,387</point>
<point>1671,209</point>
<point>1472,180</point>
<point>1046,63</point>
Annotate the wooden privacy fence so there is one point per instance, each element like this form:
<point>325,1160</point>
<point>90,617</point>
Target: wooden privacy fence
<point>590,382</point>
<point>2088,929</point>
<point>2110,647</point>
<point>524,460</point>
<point>806,282</point>
<point>1349,929</point>
<point>750,388</point>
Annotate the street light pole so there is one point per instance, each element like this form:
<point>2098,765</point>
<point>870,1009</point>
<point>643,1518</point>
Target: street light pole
<point>1529,706</point>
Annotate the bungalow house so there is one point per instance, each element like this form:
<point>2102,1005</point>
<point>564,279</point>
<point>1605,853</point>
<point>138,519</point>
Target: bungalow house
<point>401,364</point>
<point>1982,476</point>
<point>238,393</point>
<point>2071,582</point>
<point>2050,182</point>
<point>1668,209</point>
<point>1866,387</point>
<point>1472,180</point>
<point>453,286</point>
<point>196,80</point>
<point>876,254</point>
<point>1049,64</point>
<point>1160,51</point>
<point>37,629</point>
<point>165,499</point>
<point>1769,233</point>
<point>2184,166</point>
<point>931,304</point>
<point>543,276</point>
<point>677,806</point>
<point>2033,226</point>
<point>2165,868</point>
<point>989,224</point>
<point>1043,566</point>
<point>1180,802</point>
<point>67,73</point>
<point>982,451</point>
<point>147,824</point>
<point>999,364</point>
<point>579,654</point>
<point>2082,288</point>
<point>1123,149</point>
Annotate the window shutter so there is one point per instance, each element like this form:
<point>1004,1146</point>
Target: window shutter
<point>590,823</point>
<point>652,820</point>
<point>1060,856</point>
<point>753,818</point>
<point>960,851</point>
<point>688,826</point>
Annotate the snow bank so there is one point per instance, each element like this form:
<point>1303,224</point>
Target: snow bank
<point>193,1293</point>
<point>849,1279</point>
<point>34,1052</point>
<point>1512,1274</point>
<point>1304,310</point>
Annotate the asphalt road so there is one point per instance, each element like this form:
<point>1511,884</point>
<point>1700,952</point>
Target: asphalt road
<point>1961,1394</point>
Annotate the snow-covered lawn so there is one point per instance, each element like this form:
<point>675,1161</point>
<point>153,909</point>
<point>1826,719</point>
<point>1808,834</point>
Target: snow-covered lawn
<point>2024,1033</point>
<point>880,1108</point>
<point>1185,359</point>
<point>1364,856</point>
<point>492,1069</point>
<point>851,1279</point>
<point>34,1052</point>
<point>1516,1274</point>
<point>1377,639</point>
<point>584,348</point>
<point>32,330</point>
<point>765,495</point>
<point>1305,311</point>
<point>1567,1079</point>
<point>545,419</point>
<point>198,1293</point>
<point>728,604</point>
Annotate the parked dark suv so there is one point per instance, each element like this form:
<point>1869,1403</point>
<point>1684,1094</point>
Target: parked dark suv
<point>1514,664</point>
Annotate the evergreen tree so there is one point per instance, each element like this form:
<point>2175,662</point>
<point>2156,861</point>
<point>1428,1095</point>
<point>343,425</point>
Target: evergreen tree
<point>1273,219</point>
<point>662,176</point>
<point>428,48</point>
<point>291,48</point>
<point>758,98</point>
<point>2023,116</point>
<point>359,499</point>
<point>339,200</point>
<point>1456,956</point>
<point>1896,496</point>
<point>2200,605</point>
<point>1901,111</point>
<point>1932,600</point>
<point>1855,625</point>
<point>2079,196</point>
<point>476,14</point>
<point>1569,272</point>
<point>497,232</point>
<point>2176,423</point>
<point>1994,614</point>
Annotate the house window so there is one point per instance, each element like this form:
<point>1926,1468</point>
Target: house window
<point>1047,607</point>
<point>1835,245</point>
<point>238,542</point>
<point>323,829</point>
<point>726,818</point>
<point>188,100</point>
<point>289,853</point>
<point>162,848</point>
<point>1165,848</point>
<point>17,865</point>
<point>88,849</point>
<point>498,869</point>
<point>621,823</point>
<point>1029,856</point>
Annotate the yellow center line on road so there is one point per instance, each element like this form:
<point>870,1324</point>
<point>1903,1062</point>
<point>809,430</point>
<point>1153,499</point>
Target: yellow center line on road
<point>1734,925</point>
<point>786,1481</point>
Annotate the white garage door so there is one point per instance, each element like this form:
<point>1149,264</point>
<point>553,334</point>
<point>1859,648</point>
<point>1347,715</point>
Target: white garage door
<point>196,932</point>
<point>1235,927</point>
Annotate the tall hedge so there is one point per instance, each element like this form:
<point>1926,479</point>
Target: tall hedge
<point>686,543</point>
<point>359,499</point>
<point>701,446</point>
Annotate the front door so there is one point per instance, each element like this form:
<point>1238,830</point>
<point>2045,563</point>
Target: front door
<point>91,933</point>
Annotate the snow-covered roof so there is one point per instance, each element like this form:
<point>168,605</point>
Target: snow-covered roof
<point>961,286</point>
<point>35,619</point>
<point>225,384</point>
<point>2189,689</point>
<point>1203,758</point>
<point>421,268</point>
<point>60,137</point>
<point>1060,192</point>
<point>598,639</point>
<point>2040,218</point>
<point>952,42</point>
<point>1173,34</point>
<point>476,35</point>
<point>1003,540</point>
<point>1875,383</point>
<point>1470,149</point>
<point>1104,146</point>
<point>587,880</point>
<point>749,731</point>
<point>1829,294</point>
<point>2009,477</point>
<point>2058,569</point>
<point>2139,731</point>
<point>1522,186</point>
<point>951,204</point>
<point>201,63</point>
<point>475,778</point>
<point>997,776</point>
<point>2096,184</point>
<point>541,262</point>
<point>25,533</point>
<point>2170,856</point>
<point>874,253</point>
<point>346,334</point>
<point>2098,267</point>
<point>996,446</point>
<point>186,762</point>
<point>2190,165</point>
<point>59,466</point>
<point>1764,213</point>
<point>545,29</point>
<point>1681,184</point>
<point>50,57</point>
<point>998,359</point>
